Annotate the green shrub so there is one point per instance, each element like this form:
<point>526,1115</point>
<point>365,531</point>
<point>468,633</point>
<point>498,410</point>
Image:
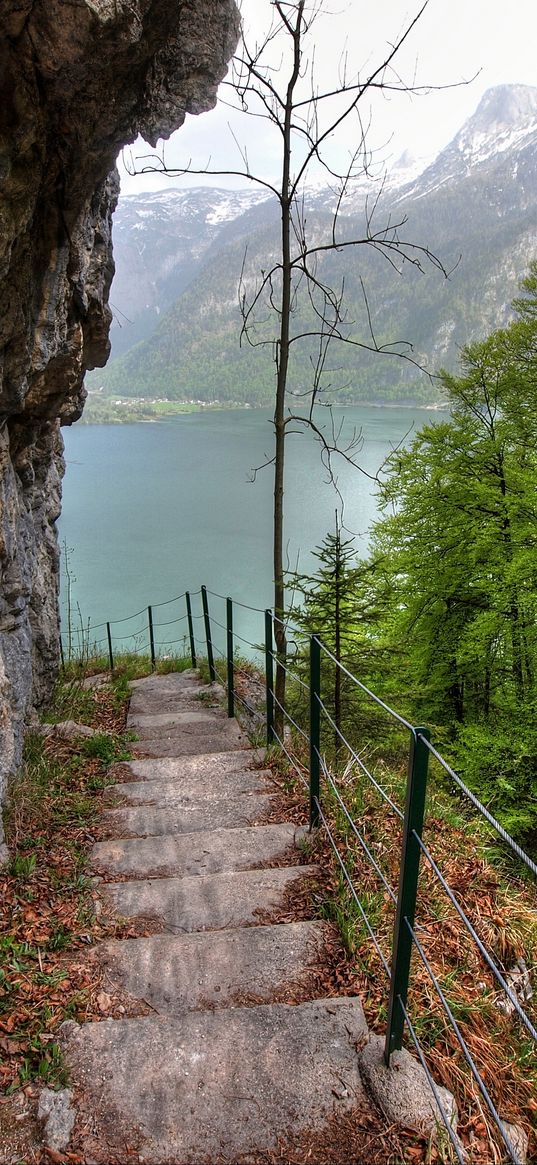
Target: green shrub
<point>499,763</point>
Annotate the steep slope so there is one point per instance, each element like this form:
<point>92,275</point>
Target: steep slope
<point>505,123</point>
<point>161,241</point>
<point>475,207</point>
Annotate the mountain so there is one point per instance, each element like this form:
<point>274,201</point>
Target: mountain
<point>180,255</point>
<point>161,241</point>
<point>501,131</point>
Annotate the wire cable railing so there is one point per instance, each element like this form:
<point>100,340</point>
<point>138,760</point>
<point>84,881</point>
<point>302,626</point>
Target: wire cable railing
<point>505,836</point>
<point>479,944</point>
<point>455,1143</point>
<point>298,729</point>
<point>353,891</point>
<point>462,1044</point>
<point>354,828</point>
<point>356,758</point>
<point>376,699</point>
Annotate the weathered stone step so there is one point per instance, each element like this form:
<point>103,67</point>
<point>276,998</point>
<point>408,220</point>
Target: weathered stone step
<point>196,853</point>
<point>217,1085</point>
<point>194,722</point>
<point>194,696</point>
<point>206,902</point>
<point>176,730</point>
<point>176,795</point>
<point>173,681</point>
<point>162,695</point>
<point>205,769</point>
<point>222,968</point>
<point>187,817</point>
<point>218,736</point>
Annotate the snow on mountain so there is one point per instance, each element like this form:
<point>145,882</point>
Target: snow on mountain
<point>160,239</point>
<point>505,120</point>
<point>484,182</point>
<point>202,204</point>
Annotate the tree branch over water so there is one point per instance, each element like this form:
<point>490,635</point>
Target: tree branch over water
<point>294,301</point>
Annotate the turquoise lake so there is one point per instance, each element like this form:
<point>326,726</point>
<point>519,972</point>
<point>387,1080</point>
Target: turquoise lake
<point>152,510</point>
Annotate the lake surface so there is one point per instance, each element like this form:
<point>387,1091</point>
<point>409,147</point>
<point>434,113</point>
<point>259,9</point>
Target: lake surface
<point>152,510</point>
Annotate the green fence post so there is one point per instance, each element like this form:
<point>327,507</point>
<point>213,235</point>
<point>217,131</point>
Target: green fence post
<point>151,636</point>
<point>315,729</point>
<point>62,657</point>
<point>207,621</point>
<point>418,762</point>
<point>230,667</point>
<point>191,630</point>
<point>269,678</point>
<point>110,652</point>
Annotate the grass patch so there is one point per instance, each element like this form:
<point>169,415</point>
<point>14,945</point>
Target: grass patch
<point>46,906</point>
<point>47,903</point>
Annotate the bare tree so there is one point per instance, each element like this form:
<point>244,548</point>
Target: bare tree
<point>275,81</point>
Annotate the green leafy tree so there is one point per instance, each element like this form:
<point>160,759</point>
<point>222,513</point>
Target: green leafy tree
<point>458,541</point>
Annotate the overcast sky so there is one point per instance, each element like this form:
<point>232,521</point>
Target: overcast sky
<point>492,41</point>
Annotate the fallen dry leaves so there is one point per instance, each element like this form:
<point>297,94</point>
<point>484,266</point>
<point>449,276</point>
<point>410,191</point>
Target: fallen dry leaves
<point>48,927</point>
<point>47,903</point>
<point>502,911</point>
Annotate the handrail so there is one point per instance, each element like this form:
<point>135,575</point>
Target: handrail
<point>463,1045</point>
<point>455,1144</point>
<point>372,860</point>
<point>358,760</point>
<point>520,853</point>
<point>398,970</point>
<point>391,711</point>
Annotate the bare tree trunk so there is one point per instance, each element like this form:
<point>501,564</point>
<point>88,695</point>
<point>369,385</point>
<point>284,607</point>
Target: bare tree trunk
<point>282,361</point>
<point>337,652</point>
<point>285,94</point>
<point>517,665</point>
<point>279,589</point>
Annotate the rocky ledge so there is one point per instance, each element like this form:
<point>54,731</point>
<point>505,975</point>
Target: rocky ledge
<point>78,80</point>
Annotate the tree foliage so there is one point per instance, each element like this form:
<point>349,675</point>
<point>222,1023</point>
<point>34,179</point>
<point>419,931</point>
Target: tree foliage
<point>454,569</point>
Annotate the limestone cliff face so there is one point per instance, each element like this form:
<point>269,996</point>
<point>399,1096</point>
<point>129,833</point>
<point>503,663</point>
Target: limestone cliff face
<point>78,79</point>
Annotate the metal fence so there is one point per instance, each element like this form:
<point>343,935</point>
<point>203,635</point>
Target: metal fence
<point>202,633</point>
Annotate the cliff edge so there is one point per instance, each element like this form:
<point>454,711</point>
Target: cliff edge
<point>78,80</point>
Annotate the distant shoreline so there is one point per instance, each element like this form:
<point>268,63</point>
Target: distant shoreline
<point>136,410</point>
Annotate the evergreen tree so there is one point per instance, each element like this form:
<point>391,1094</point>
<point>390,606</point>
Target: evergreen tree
<point>340,604</point>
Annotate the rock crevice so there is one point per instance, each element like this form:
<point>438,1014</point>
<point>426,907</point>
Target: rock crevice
<point>77,82</point>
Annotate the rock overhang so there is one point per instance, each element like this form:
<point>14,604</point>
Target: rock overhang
<point>77,82</point>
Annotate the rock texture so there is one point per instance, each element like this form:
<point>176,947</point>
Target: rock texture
<point>78,80</point>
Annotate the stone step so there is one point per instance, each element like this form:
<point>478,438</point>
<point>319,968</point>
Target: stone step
<point>157,700</point>
<point>222,968</point>
<point>177,795</point>
<point>193,739</point>
<point>204,768</point>
<point>188,701</point>
<point>174,681</point>
<point>206,902</point>
<point>196,853</point>
<point>218,1085</point>
<point>196,722</point>
<point>187,817</point>
<point>162,694</point>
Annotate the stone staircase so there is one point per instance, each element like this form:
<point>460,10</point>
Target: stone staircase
<point>224,1068</point>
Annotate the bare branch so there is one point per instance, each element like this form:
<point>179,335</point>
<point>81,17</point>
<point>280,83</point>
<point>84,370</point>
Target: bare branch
<point>271,301</point>
<point>257,468</point>
<point>206,171</point>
